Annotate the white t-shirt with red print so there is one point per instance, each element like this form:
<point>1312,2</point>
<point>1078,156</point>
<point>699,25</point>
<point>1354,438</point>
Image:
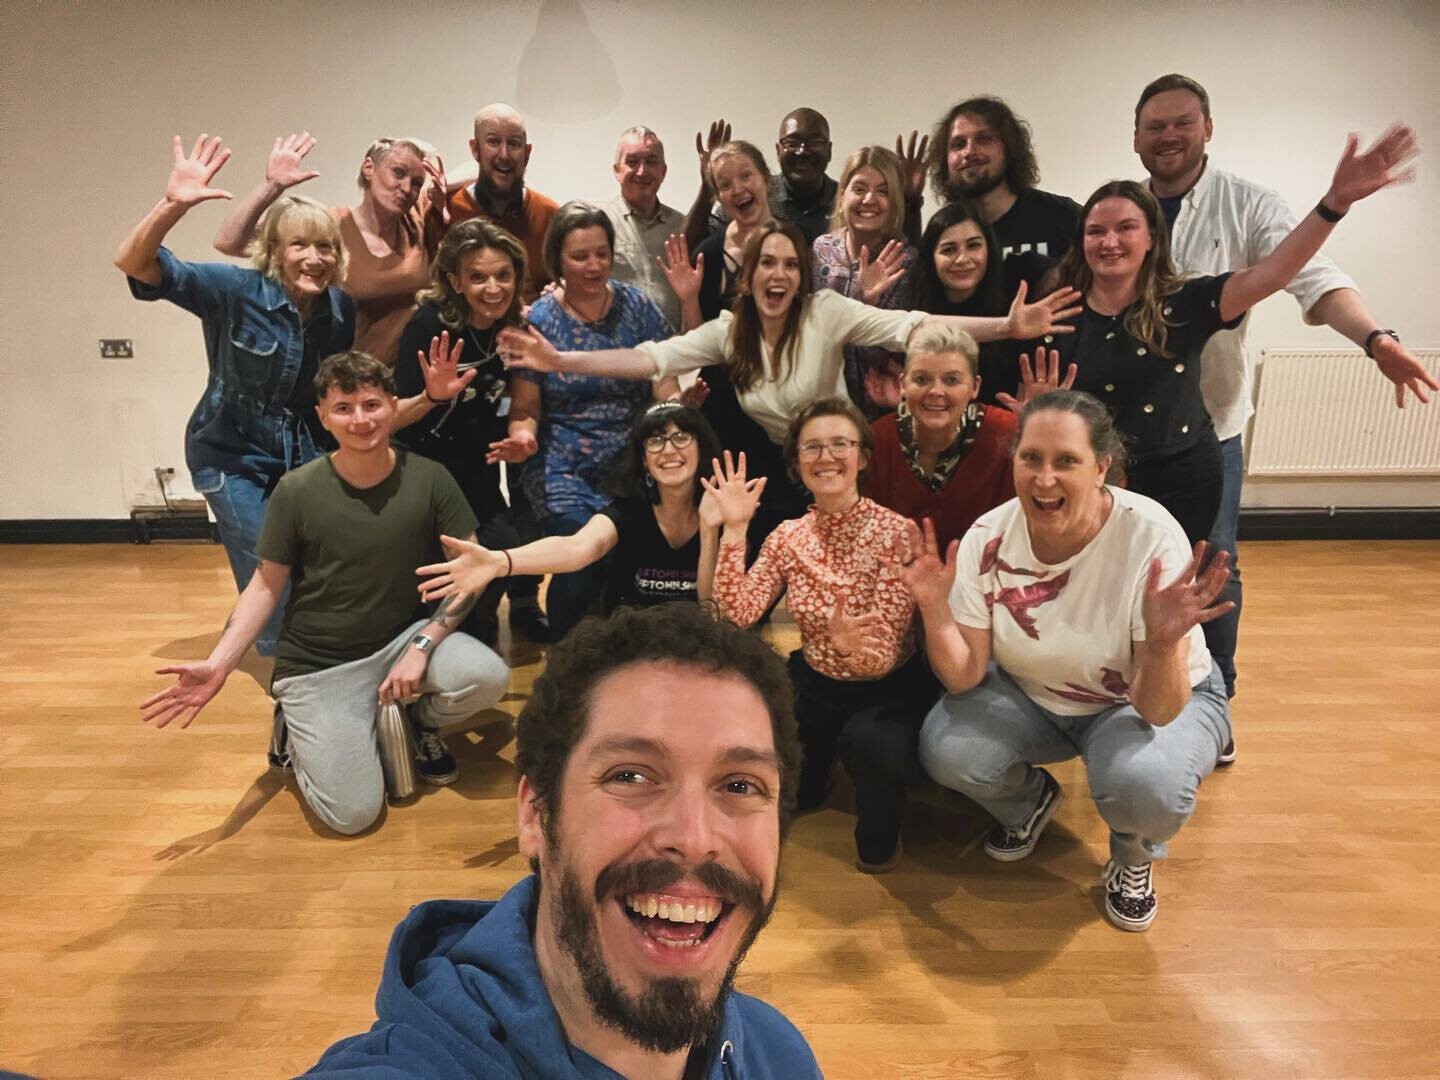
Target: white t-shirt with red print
<point>1065,632</point>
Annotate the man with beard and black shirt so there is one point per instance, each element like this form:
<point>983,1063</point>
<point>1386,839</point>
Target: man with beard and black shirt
<point>802,194</point>
<point>981,151</point>
<point>655,847</point>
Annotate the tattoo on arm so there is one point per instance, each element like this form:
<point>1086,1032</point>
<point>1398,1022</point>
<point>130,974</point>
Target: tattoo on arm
<point>451,611</point>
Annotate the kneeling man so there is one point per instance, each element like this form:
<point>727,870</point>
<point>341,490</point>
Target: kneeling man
<point>346,533</point>
<point>657,761</point>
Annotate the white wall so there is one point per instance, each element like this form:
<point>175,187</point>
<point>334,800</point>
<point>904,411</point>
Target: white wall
<point>92,93</point>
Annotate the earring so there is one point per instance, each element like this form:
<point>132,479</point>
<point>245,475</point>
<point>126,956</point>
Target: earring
<point>649,480</point>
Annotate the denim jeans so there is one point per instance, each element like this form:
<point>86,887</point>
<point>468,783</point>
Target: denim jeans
<point>239,508</point>
<point>986,742</point>
<point>1222,634</point>
<point>570,596</point>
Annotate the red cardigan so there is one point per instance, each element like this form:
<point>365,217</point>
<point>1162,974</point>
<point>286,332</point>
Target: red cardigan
<point>982,481</point>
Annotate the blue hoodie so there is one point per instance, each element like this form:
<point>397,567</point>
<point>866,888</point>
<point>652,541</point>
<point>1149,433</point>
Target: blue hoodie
<point>461,996</point>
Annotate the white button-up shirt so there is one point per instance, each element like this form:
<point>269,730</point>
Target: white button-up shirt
<point>1227,223</point>
<point>639,241</point>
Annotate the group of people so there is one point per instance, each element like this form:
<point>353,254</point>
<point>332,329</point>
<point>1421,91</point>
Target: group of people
<point>992,465</point>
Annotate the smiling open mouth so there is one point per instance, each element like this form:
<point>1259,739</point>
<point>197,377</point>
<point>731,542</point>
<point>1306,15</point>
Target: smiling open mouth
<point>675,922</point>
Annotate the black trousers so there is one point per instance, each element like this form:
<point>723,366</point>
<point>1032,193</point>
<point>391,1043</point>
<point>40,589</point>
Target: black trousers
<point>874,728</point>
<point>1188,484</point>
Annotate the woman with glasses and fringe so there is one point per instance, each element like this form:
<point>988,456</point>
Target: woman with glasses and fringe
<point>652,544</point>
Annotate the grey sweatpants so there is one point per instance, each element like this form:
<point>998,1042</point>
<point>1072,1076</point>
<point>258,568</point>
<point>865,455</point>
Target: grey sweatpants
<point>330,715</point>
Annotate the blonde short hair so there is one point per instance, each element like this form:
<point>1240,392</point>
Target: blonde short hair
<point>295,215</point>
<point>938,339</point>
<point>382,148</point>
<point>887,165</point>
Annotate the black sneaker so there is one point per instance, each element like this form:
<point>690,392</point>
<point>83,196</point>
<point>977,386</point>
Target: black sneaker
<point>433,761</point>
<point>1129,896</point>
<point>1010,845</point>
<point>279,753</point>
<point>1227,756</point>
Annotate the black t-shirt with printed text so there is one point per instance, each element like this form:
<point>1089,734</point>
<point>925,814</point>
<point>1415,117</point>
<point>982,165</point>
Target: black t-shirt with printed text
<point>644,569</point>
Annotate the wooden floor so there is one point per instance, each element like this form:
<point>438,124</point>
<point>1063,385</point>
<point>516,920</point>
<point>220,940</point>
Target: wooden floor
<point>167,910</point>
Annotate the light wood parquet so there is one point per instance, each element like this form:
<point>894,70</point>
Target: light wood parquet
<point>168,910</point>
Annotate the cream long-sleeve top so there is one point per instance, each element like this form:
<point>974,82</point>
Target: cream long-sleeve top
<point>828,322</point>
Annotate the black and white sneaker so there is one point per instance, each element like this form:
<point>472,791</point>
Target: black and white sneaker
<point>433,761</point>
<point>1010,845</point>
<point>1227,756</point>
<point>1129,896</point>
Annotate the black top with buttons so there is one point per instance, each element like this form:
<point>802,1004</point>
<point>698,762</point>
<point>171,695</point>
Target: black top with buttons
<point>1155,399</point>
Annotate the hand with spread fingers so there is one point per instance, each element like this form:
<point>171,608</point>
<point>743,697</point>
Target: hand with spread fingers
<point>194,686</point>
<point>1387,161</point>
<point>516,447</point>
<point>469,571</point>
<point>719,134</point>
<point>877,276</point>
<point>527,348</point>
<point>684,279</point>
<point>283,168</point>
<point>1171,612</point>
<point>1045,375</point>
<point>190,175</point>
<point>928,575</point>
<point>441,369</point>
<point>1027,320</point>
<point>736,497</point>
<point>913,162</point>
<point>858,639</point>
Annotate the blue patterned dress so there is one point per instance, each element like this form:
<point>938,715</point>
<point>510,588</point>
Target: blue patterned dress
<point>584,419</point>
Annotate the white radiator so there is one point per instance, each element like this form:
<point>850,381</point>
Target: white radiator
<point>1329,412</point>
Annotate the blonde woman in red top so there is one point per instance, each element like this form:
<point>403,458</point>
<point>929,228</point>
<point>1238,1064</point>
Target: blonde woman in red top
<point>943,455</point>
<point>862,687</point>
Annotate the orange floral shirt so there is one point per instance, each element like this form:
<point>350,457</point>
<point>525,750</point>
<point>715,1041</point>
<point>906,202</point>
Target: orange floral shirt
<point>814,560</point>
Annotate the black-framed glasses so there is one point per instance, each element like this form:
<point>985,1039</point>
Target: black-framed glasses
<point>655,444</point>
<point>793,144</point>
<point>840,449</point>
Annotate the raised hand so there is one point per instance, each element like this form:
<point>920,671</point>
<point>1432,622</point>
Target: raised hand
<point>684,279</point>
<point>883,385</point>
<point>928,575</point>
<point>857,638</point>
<point>912,163</point>
<point>1386,162</point>
<point>438,211</point>
<point>719,133</point>
<point>469,571</point>
<point>1398,365</point>
<point>695,394</point>
<point>513,449</point>
<point>195,686</point>
<point>736,497</point>
<point>1045,375</point>
<point>1043,317</point>
<point>710,516</point>
<point>441,369</point>
<point>190,176</point>
<point>876,277</point>
<point>527,348</point>
<point>282,168</point>
<point>1186,602</point>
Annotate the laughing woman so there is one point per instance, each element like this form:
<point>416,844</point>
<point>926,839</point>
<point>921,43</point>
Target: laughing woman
<point>652,533</point>
<point>861,687</point>
<point>266,330</point>
<point>782,345</point>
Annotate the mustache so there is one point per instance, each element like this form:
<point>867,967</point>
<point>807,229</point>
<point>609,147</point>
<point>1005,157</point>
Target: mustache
<point>656,875</point>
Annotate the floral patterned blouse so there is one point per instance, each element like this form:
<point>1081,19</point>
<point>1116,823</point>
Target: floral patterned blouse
<point>814,560</point>
<point>584,419</point>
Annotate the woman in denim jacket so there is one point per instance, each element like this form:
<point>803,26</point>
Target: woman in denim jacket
<point>266,331</point>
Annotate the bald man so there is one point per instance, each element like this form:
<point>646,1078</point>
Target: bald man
<point>802,194</point>
<point>501,151</point>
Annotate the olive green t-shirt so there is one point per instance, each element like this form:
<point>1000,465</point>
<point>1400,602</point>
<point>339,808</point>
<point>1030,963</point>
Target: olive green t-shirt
<point>352,554</point>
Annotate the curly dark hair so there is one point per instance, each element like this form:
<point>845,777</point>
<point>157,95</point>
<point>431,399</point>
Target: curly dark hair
<point>627,479</point>
<point>1022,172</point>
<point>554,719</point>
<point>351,370</point>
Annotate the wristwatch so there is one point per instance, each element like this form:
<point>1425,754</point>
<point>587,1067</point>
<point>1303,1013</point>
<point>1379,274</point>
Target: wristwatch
<point>422,643</point>
<point>1370,340</point>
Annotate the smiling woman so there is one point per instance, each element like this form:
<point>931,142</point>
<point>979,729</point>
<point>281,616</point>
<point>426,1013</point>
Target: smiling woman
<point>266,331</point>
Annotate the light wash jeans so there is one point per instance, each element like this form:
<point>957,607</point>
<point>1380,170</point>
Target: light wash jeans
<point>330,715</point>
<point>985,743</point>
<point>238,504</point>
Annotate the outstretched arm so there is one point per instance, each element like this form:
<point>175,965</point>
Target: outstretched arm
<point>528,349</point>
<point>188,184</point>
<point>472,568</point>
<point>282,170</point>
<point>1343,311</point>
<point>1357,176</point>
<point>198,683</point>
<point>1025,320</point>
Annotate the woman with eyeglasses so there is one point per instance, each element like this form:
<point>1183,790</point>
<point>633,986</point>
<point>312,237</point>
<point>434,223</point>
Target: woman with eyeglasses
<point>391,235</point>
<point>649,543</point>
<point>781,345</point>
<point>862,687</point>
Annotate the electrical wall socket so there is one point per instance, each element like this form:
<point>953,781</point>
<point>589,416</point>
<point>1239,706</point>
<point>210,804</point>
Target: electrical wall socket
<point>117,349</point>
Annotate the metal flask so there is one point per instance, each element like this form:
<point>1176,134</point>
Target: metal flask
<point>397,751</point>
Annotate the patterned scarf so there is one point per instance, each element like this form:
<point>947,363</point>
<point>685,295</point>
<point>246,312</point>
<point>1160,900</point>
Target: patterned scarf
<point>950,458</point>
